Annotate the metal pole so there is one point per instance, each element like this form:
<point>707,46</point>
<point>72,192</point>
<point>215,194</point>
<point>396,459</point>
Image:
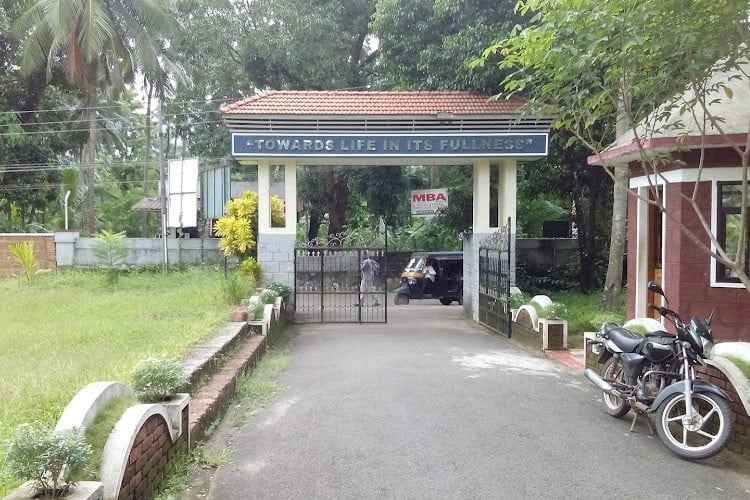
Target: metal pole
<point>67,195</point>
<point>162,186</point>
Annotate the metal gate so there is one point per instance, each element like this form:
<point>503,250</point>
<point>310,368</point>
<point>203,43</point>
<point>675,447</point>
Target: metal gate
<point>327,286</point>
<point>494,281</point>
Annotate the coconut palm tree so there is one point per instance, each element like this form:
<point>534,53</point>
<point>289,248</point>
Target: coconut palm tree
<point>101,44</point>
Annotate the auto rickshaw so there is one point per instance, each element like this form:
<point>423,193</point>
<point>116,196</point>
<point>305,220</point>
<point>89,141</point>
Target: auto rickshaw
<point>448,285</point>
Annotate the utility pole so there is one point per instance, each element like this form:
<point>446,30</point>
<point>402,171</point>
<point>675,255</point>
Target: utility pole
<point>162,186</point>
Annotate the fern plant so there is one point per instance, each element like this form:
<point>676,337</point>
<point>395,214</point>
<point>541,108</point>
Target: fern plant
<point>109,247</point>
<point>23,253</point>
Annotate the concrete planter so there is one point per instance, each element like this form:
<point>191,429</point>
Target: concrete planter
<point>83,490</point>
<point>554,333</point>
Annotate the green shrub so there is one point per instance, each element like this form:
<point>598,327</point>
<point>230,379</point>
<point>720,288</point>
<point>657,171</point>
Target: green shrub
<point>517,300</point>
<point>283,291</point>
<point>236,287</point>
<point>603,317</point>
<point>53,460</point>
<point>256,310</point>
<point>157,379</point>
<point>268,296</point>
<point>23,253</point>
<point>250,268</point>
<point>109,248</point>
<point>555,311</point>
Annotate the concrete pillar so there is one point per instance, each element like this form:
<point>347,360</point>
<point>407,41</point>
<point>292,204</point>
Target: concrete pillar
<point>481,195</point>
<point>506,206</point>
<point>65,248</point>
<point>264,196</point>
<point>276,244</point>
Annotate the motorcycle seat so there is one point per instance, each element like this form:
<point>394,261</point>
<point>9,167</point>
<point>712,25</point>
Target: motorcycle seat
<point>622,337</point>
<point>659,333</point>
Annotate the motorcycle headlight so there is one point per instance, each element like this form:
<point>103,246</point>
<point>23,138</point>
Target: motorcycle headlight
<point>412,281</point>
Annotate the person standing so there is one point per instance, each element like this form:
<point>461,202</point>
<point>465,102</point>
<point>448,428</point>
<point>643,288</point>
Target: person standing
<point>368,269</point>
<point>429,275</point>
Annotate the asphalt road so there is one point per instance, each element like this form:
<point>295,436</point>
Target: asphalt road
<point>431,406</point>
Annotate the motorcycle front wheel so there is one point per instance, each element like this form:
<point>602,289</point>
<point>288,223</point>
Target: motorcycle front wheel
<point>617,407</point>
<point>704,436</point>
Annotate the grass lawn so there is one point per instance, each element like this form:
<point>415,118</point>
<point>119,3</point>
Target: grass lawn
<point>65,330</point>
<point>585,314</point>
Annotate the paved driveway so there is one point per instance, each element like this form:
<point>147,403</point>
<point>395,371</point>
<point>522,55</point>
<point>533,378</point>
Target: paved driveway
<point>430,406</point>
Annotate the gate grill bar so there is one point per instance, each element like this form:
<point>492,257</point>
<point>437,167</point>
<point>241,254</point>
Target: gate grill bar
<point>327,286</point>
<point>494,282</point>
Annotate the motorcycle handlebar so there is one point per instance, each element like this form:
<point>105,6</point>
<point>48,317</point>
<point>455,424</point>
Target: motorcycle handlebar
<point>667,313</point>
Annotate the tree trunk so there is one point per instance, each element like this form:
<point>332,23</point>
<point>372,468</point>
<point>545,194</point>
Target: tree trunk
<point>618,239</point>
<point>313,226</point>
<point>585,218</point>
<point>89,169</point>
<point>337,199</point>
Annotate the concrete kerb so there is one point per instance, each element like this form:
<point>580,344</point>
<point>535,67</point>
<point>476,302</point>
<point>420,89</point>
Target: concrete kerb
<point>211,397</point>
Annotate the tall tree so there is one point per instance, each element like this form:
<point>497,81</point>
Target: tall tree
<point>29,146</point>
<point>311,44</point>
<point>428,44</point>
<point>588,62</point>
<point>101,44</point>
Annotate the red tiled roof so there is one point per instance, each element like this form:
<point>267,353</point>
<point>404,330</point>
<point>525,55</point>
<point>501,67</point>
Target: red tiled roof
<point>371,103</point>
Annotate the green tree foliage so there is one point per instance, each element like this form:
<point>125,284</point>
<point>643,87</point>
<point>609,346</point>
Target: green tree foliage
<point>28,173</point>
<point>308,44</point>
<point>587,62</point>
<point>428,44</point>
<point>101,45</point>
<point>209,48</point>
<point>312,44</point>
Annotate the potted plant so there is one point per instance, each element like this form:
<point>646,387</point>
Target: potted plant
<point>268,295</point>
<point>51,461</point>
<point>157,379</point>
<point>282,290</point>
<point>553,326</point>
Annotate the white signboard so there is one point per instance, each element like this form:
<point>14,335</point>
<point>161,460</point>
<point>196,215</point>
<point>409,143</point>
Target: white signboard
<point>426,202</point>
<point>183,193</point>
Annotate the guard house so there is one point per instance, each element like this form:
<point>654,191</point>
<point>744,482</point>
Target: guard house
<point>282,130</point>
<point>658,249</point>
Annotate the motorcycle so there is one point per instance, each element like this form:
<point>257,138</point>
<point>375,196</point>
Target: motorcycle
<point>655,374</point>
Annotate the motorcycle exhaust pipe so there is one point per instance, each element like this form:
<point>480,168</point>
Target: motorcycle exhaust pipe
<point>602,384</point>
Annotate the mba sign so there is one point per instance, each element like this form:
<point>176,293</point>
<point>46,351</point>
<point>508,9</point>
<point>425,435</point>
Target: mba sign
<point>388,145</point>
<point>427,202</point>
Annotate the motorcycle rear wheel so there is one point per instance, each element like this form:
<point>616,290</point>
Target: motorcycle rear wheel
<point>706,436</point>
<point>615,406</point>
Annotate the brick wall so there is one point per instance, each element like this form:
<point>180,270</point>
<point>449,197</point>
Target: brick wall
<point>151,457</point>
<point>522,330</point>
<point>44,252</point>
<point>687,267</point>
<point>740,440</point>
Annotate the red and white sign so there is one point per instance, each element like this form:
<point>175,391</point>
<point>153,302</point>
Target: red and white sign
<point>426,202</point>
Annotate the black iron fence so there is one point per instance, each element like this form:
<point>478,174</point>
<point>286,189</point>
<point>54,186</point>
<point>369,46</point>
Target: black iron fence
<point>494,281</point>
<point>328,286</point>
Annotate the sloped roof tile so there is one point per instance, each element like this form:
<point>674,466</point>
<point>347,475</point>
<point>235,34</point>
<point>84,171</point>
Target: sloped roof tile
<point>371,103</point>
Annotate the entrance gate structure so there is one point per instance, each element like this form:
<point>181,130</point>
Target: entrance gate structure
<point>494,281</point>
<point>279,131</point>
<point>327,286</point>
